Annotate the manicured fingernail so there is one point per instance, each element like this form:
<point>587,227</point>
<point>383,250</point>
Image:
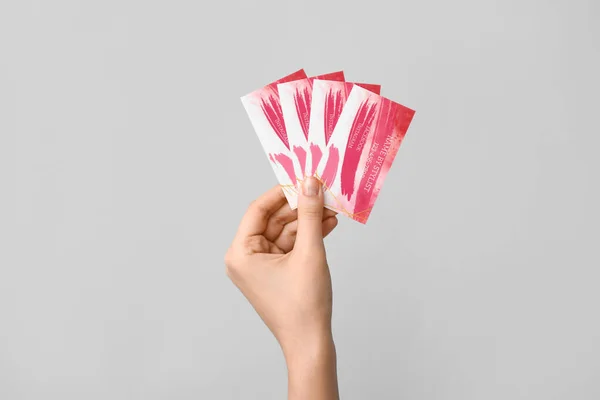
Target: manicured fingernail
<point>310,187</point>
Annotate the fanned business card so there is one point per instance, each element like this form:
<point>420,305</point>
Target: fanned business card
<point>296,101</point>
<point>264,110</point>
<point>360,152</point>
<point>328,99</point>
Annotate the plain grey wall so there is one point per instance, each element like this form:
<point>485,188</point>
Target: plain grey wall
<point>126,161</point>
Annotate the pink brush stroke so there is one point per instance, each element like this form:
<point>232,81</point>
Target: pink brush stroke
<point>334,102</point>
<point>359,130</point>
<point>316,155</point>
<point>302,99</point>
<point>331,166</point>
<point>286,163</point>
<point>300,154</point>
<point>271,107</point>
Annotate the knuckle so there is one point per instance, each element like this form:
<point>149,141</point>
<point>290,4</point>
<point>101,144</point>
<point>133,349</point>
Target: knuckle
<point>228,259</point>
<point>249,241</point>
<point>253,242</point>
<point>228,271</point>
<point>279,220</point>
<point>260,209</point>
<point>231,264</point>
<point>256,207</point>
<point>232,272</point>
<point>253,208</point>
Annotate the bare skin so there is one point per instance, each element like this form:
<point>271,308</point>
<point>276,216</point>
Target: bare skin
<point>277,259</point>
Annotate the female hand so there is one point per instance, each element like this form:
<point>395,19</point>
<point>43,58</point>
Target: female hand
<point>277,259</point>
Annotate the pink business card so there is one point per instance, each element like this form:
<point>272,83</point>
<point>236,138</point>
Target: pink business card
<point>360,152</point>
<point>296,99</point>
<point>264,110</point>
<point>328,99</point>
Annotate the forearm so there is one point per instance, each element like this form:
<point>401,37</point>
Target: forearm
<point>312,373</point>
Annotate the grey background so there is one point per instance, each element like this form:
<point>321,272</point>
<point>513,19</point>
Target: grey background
<point>126,161</point>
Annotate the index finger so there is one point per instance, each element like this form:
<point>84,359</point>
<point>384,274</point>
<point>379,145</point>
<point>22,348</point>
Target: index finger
<point>254,222</point>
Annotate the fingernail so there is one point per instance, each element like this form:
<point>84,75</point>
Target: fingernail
<point>310,187</point>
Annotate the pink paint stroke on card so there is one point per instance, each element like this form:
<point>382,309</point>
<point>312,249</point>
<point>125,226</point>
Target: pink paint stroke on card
<point>272,110</point>
<point>315,155</point>
<point>334,102</point>
<point>331,166</point>
<point>302,99</point>
<point>286,163</point>
<point>300,153</point>
<point>356,139</point>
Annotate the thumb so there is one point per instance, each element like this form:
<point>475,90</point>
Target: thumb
<point>310,216</point>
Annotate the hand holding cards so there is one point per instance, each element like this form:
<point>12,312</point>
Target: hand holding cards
<point>345,134</point>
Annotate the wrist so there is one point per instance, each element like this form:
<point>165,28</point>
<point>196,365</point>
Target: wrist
<point>308,349</point>
<point>312,368</point>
